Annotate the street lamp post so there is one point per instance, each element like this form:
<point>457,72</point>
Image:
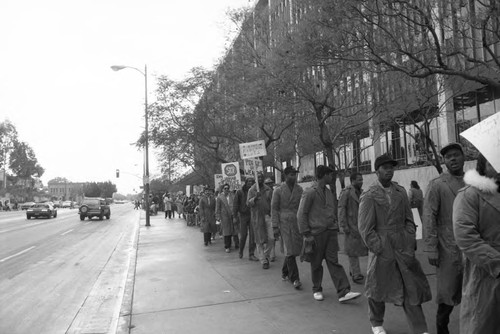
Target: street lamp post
<point>146,144</point>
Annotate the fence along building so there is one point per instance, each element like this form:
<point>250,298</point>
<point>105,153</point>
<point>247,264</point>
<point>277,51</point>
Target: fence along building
<point>453,104</point>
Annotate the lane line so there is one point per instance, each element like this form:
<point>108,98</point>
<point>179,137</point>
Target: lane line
<point>67,232</point>
<point>17,254</point>
<point>22,227</point>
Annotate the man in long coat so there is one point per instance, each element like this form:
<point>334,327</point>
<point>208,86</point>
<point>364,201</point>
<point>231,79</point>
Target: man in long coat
<point>394,274</point>
<point>284,207</point>
<point>224,213</point>
<point>241,213</point>
<point>441,247</point>
<point>207,215</point>
<point>354,247</point>
<point>259,202</point>
<point>476,224</point>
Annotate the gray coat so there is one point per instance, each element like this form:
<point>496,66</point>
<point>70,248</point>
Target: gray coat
<point>439,239</point>
<point>224,213</point>
<point>476,224</point>
<point>260,211</point>
<point>348,221</point>
<point>207,214</point>
<point>284,206</point>
<point>386,225</point>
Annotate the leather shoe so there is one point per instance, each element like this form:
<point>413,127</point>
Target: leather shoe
<point>253,258</point>
<point>240,255</point>
<point>297,285</point>
<point>265,265</point>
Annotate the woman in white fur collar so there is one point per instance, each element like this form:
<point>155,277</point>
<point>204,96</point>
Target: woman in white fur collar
<point>476,225</point>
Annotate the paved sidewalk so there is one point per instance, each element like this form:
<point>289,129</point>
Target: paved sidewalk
<point>181,286</point>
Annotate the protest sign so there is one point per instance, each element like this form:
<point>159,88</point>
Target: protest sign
<point>485,136</point>
<point>253,149</point>
<point>252,165</point>
<point>218,181</point>
<point>231,175</point>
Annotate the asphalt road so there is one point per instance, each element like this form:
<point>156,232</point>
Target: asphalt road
<point>63,275</point>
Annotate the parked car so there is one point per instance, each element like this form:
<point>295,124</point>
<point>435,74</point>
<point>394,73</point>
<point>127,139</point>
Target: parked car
<point>27,205</point>
<point>41,210</point>
<point>67,204</point>
<point>94,207</point>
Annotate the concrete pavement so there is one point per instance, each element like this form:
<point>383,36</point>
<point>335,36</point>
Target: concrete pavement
<point>180,286</point>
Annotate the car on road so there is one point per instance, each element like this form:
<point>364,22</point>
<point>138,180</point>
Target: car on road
<point>27,205</point>
<point>67,204</point>
<point>41,210</point>
<point>94,207</point>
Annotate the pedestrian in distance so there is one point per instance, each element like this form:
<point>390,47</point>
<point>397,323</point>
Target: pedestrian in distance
<point>394,274</point>
<point>167,200</point>
<point>354,247</point>
<point>284,206</point>
<point>416,197</point>
<point>259,201</point>
<point>241,212</point>
<point>440,246</point>
<point>207,208</point>
<point>476,225</point>
<point>224,214</point>
<point>318,224</point>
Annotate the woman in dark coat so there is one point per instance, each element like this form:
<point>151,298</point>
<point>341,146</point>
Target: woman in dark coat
<point>207,215</point>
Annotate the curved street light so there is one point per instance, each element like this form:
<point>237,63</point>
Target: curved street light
<point>146,145</point>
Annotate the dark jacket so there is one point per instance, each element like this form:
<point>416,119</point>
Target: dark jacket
<point>240,203</point>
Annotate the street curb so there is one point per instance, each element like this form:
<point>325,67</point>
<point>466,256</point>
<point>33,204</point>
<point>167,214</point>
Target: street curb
<point>125,317</point>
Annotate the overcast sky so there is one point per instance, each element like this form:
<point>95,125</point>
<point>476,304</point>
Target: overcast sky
<point>56,85</point>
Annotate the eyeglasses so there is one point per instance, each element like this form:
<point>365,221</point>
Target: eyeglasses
<point>226,188</point>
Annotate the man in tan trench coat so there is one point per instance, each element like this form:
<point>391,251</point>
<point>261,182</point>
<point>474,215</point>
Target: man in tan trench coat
<point>394,275</point>
<point>354,247</point>
<point>284,206</point>
<point>442,250</point>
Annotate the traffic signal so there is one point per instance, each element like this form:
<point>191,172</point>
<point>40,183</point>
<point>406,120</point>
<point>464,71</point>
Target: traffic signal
<point>117,173</point>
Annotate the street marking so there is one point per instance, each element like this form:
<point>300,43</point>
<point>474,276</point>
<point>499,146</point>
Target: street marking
<point>17,254</point>
<point>22,227</point>
<point>67,232</point>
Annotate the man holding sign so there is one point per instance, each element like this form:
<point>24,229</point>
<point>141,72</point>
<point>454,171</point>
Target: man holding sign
<point>259,201</point>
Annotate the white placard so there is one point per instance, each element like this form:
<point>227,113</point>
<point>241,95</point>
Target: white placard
<point>231,175</point>
<point>485,136</point>
<point>218,181</point>
<point>253,149</point>
<point>250,165</point>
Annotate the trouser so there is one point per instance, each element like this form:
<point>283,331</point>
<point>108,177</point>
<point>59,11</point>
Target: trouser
<point>246,229</point>
<point>414,315</point>
<point>264,251</point>
<point>443,318</point>
<point>327,246</point>
<point>354,267</point>
<point>290,268</point>
<point>168,213</point>
<point>236,241</point>
<point>207,236</point>
<point>227,241</point>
